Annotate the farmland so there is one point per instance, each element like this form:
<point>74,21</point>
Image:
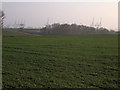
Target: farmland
<point>75,61</point>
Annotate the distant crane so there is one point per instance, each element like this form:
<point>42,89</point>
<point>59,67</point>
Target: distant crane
<point>47,24</point>
<point>22,24</point>
<point>15,24</point>
<point>19,24</point>
<point>97,25</point>
<point>92,24</point>
<point>100,24</point>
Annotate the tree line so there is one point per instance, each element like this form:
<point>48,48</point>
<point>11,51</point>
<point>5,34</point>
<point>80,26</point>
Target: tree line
<point>73,29</point>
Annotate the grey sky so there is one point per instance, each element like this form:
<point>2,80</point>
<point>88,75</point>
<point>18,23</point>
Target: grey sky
<point>37,14</point>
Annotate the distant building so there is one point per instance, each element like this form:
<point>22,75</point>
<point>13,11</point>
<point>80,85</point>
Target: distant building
<point>21,26</point>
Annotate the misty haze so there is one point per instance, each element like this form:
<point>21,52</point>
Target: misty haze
<point>59,44</point>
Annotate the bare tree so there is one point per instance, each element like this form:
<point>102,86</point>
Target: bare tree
<point>2,16</point>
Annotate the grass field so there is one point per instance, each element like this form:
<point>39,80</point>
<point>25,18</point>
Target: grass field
<point>85,61</point>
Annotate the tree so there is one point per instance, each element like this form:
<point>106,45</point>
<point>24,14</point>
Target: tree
<point>2,16</point>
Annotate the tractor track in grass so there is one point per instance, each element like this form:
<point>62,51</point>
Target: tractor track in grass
<point>32,53</point>
<point>35,52</point>
<point>19,50</point>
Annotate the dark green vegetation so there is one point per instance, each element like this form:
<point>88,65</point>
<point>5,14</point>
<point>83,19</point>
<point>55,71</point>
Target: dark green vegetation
<point>73,29</point>
<point>85,61</point>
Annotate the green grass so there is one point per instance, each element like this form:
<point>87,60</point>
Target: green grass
<point>85,61</point>
<point>10,32</point>
<point>18,32</point>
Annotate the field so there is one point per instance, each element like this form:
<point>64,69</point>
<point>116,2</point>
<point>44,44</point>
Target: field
<point>82,61</point>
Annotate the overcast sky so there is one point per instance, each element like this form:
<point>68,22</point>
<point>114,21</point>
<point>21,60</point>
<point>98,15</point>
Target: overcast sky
<point>39,13</point>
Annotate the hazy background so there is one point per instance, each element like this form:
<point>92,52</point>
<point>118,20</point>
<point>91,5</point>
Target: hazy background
<point>38,14</point>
